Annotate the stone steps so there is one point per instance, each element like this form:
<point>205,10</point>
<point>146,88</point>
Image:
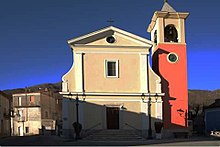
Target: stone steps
<point>114,135</point>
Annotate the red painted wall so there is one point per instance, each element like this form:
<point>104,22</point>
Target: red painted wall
<point>174,84</point>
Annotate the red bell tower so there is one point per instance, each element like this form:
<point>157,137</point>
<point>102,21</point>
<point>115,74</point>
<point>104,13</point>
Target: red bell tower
<point>169,57</point>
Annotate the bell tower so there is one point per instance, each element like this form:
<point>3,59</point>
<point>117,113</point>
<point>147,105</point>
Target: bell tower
<point>169,57</point>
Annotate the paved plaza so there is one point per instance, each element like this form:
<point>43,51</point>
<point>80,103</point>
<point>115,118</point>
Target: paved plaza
<point>58,141</point>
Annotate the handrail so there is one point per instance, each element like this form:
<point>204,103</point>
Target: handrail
<point>87,132</point>
<point>92,127</point>
<point>132,127</point>
<point>138,130</point>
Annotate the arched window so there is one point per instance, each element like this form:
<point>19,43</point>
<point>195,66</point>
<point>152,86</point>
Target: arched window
<point>170,34</point>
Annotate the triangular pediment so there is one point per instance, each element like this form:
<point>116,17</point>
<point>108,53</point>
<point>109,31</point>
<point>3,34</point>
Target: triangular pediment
<point>122,38</point>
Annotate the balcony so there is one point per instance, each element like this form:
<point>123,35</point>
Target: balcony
<point>20,118</point>
<point>29,104</point>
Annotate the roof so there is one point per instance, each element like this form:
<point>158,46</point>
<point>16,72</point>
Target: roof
<point>216,104</point>
<point>5,95</point>
<point>106,31</point>
<point>48,93</point>
<point>167,8</point>
<point>167,11</point>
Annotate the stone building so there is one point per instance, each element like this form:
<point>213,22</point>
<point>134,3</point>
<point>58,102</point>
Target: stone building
<point>4,114</point>
<point>36,112</point>
<point>211,117</point>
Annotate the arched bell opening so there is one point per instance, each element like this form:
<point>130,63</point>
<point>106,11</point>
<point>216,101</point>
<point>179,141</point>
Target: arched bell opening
<point>170,34</point>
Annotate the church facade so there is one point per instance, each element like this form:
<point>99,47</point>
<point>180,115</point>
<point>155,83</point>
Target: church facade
<point>111,84</point>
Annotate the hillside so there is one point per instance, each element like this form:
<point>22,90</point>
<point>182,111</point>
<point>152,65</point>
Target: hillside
<point>55,87</point>
<point>203,97</point>
<point>196,97</point>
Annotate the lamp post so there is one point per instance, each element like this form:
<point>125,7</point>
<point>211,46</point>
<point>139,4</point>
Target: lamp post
<point>149,119</point>
<point>149,113</point>
<point>77,117</point>
<point>77,126</point>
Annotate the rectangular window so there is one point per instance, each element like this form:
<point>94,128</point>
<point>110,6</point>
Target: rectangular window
<point>32,98</point>
<point>19,101</point>
<point>20,113</point>
<point>27,129</point>
<point>111,68</point>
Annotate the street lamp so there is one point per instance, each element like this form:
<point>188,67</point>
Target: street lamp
<point>149,113</point>
<point>149,119</point>
<point>77,117</point>
<point>77,125</point>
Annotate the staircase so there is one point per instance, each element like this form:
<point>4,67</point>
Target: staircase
<point>114,135</point>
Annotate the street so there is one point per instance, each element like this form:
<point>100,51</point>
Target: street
<point>58,141</point>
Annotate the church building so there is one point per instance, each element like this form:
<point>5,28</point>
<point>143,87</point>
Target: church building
<point>112,86</point>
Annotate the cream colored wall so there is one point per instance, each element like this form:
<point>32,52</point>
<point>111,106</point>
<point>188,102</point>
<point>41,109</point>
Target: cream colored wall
<point>154,81</point>
<point>34,127</point>
<point>94,111</point>
<point>121,40</point>
<point>69,79</point>
<point>129,73</point>
<point>126,50</point>
<point>32,120</point>
<point>93,115</point>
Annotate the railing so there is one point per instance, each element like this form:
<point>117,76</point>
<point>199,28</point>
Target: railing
<point>20,118</point>
<point>137,131</point>
<point>132,127</point>
<point>90,130</point>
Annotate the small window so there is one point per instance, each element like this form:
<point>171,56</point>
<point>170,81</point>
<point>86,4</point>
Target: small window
<point>32,98</point>
<point>111,68</point>
<point>27,129</point>
<point>172,57</point>
<point>19,101</point>
<point>155,36</point>
<point>110,39</point>
<point>20,113</point>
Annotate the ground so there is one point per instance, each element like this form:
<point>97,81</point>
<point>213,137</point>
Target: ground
<point>58,141</point>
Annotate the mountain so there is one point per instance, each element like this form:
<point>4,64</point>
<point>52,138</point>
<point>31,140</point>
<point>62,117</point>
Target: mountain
<point>55,87</point>
<point>196,97</point>
<point>203,97</point>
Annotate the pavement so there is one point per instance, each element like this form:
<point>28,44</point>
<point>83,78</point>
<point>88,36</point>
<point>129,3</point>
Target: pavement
<point>40,140</point>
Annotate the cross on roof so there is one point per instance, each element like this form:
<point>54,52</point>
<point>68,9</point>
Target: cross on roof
<point>110,21</point>
<point>165,1</point>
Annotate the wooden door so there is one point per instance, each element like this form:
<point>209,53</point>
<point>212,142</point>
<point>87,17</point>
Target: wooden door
<point>112,114</point>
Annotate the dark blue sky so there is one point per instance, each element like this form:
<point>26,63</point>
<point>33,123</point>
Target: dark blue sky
<point>33,36</point>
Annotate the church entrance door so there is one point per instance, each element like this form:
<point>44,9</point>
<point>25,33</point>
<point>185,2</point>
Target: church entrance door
<point>112,114</point>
